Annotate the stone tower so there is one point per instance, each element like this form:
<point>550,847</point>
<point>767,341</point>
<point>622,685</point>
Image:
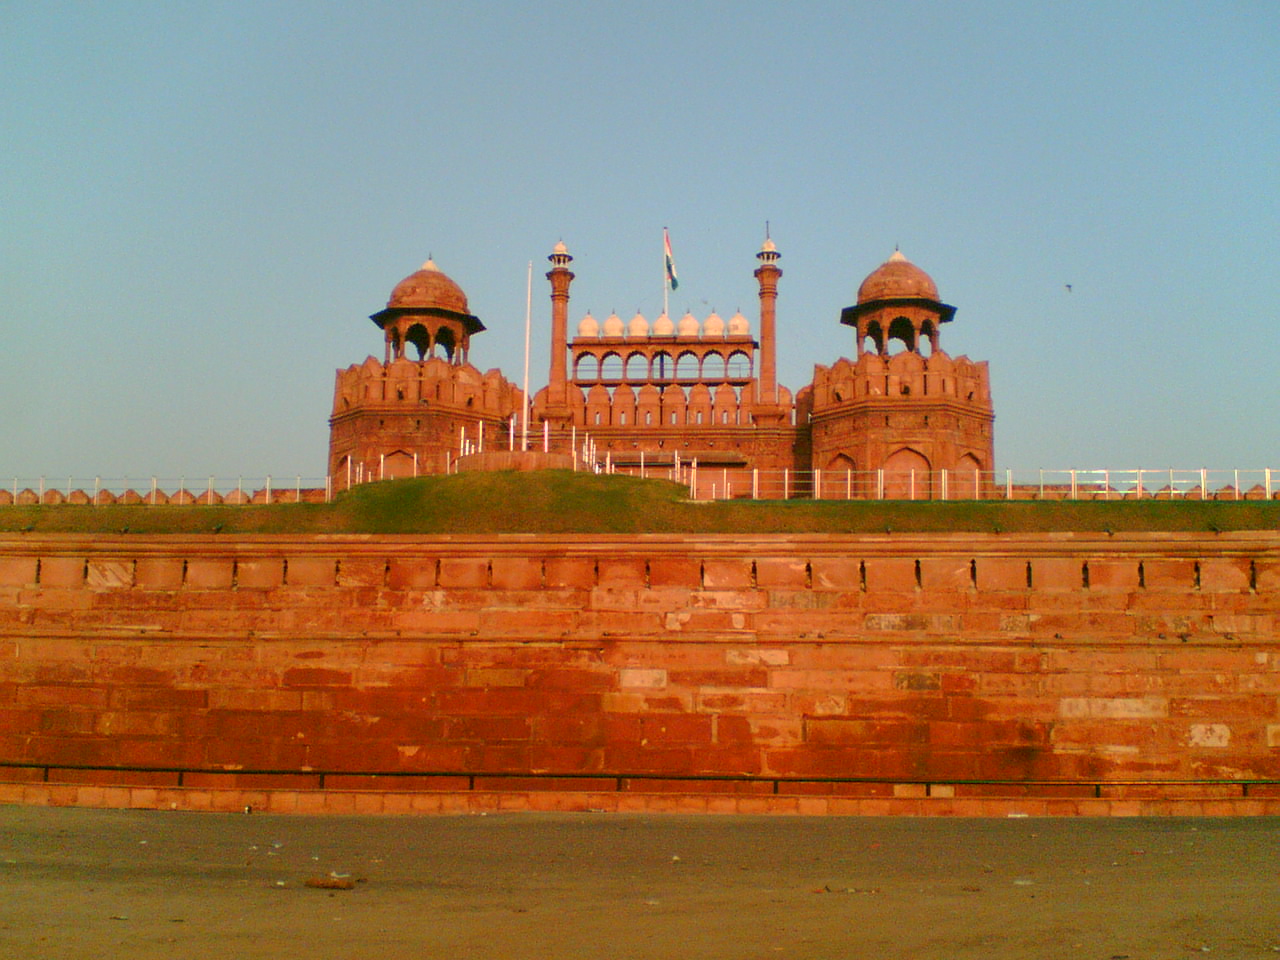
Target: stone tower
<point>407,414</point>
<point>904,406</point>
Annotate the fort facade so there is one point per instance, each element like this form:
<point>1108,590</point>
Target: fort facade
<point>978,674</point>
<point>664,392</point>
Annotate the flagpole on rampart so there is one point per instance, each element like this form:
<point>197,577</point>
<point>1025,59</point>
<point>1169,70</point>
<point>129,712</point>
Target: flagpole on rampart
<point>528,319</point>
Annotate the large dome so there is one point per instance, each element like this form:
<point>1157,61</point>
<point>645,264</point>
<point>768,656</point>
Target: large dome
<point>897,277</point>
<point>428,287</point>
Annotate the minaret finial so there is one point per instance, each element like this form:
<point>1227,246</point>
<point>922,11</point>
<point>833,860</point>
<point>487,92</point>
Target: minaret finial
<point>559,257</point>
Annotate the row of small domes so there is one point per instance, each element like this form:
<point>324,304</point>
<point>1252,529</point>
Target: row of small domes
<point>713,326</point>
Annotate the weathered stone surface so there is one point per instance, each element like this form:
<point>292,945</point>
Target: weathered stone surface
<point>672,657</point>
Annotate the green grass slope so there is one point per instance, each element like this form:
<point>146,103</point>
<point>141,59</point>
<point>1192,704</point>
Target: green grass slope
<point>554,502</point>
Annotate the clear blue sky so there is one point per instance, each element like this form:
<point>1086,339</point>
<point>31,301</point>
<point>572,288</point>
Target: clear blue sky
<point>201,204</point>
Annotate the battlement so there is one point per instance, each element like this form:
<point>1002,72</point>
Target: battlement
<point>426,382</point>
<point>901,376</point>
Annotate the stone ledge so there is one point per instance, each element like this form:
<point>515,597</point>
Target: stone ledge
<point>345,802</point>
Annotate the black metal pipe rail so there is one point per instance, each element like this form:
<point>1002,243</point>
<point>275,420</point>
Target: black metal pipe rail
<point>620,781</point>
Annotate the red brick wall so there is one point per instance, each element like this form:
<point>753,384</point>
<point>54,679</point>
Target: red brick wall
<point>944,657</point>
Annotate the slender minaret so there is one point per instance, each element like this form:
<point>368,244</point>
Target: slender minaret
<point>560,276</point>
<point>768,274</point>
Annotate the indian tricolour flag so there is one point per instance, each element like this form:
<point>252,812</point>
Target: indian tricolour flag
<point>671,262</point>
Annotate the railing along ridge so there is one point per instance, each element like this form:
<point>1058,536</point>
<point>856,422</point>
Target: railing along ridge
<point>705,481</point>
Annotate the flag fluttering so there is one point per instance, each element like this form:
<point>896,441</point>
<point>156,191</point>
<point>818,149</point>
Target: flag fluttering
<point>670,260</point>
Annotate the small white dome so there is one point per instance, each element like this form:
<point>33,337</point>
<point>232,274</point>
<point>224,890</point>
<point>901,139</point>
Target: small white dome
<point>738,325</point>
<point>688,325</point>
<point>638,327</point>
<point>663,327</point>
<point>588,327</point>
<point>713,326</point>
<point>613,325</point>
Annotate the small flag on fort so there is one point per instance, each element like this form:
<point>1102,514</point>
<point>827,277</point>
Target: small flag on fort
<point>670,260</point>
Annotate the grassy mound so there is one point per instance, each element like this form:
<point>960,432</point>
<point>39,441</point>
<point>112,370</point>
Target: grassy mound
<point>552,502</point>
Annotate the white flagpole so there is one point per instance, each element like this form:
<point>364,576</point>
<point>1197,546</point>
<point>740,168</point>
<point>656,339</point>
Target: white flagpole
<point>528,312</point>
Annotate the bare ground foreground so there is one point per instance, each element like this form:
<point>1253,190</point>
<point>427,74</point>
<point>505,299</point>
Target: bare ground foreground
<point>138,884</point>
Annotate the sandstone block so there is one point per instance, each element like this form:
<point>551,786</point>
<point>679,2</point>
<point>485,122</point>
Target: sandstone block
<point>618,623</point>
<point>17,571</point>
<point>259,574</point>
<point>522,624</point>
<point>836,573</point>
<point>1168,575</point>
<point>516,573</point>
<point>467,572</point>
<point>311,572</point>
<point>892,575</point>
<point>1268,577</point>
<point>361,573</point>
<point>209,574</point>
<point>1114,708</point>
<point>1223,575</point>
<point>727,575</point>
<point>1057,573</point>
<point>494,677</point>
<point>675,572</point>
<point>662,730</point>
<point>776,573</point>
<point>1113,575</point>
<point>1209,735</point>
<point>570,572</point>
<point>153,573</point>
<point>774,657</point>
<point>946,574</point>
<point>622,573</point>
<point>748,702</point>
<point>108,574</point>
<point>1000,574</point>
<point>315,677</point>
<point>642,677</point>
<point>61,571</point>
<point>418,573</point>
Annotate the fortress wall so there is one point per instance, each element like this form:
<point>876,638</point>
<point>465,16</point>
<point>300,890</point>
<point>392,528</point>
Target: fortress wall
<point>941,658</point>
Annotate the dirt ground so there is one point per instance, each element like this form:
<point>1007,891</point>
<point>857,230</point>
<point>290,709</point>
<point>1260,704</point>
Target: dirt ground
<point>138,884</point>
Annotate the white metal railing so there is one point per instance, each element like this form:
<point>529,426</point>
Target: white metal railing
<point>705,481</point>
<point>708,482</point>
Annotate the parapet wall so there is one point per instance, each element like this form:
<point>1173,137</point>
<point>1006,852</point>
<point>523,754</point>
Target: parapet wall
<point>1064,667</point>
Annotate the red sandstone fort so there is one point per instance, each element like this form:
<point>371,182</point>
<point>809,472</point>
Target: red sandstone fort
<point>669,391</point>
<point>952,673</point>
